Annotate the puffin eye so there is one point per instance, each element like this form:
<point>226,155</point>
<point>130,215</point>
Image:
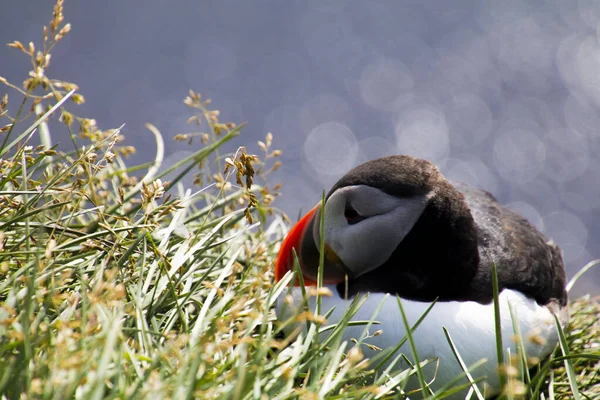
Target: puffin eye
<point>351,215</point>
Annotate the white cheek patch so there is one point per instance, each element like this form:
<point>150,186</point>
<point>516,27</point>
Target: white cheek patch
<point>369,243</point>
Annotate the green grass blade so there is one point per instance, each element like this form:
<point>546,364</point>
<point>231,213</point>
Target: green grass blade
<point>521,352</point>
<point>424,386</point>
<point>321,252</point>
<point>462,364</point>
<point>580,273</point>
<point>497,321</point>
<point>564,347</point>
<point>386,357</point>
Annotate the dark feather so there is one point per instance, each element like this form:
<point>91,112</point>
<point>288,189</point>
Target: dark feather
<point>450,251</point>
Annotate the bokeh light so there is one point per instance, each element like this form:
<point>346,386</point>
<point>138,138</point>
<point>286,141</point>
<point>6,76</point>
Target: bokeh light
<point>568,230</point>
<point>322,108</point>
<point>331,149</point>
<point>519,155</point>
<point>384,82</point>
<point>423,132</point>
<point>470,120</point>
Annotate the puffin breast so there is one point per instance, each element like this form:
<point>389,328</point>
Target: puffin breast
<point>470,325</point>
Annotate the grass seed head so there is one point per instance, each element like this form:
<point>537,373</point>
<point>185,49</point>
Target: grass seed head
<point>314,291</point>
<point>354,355</point>
<point>514,388</point>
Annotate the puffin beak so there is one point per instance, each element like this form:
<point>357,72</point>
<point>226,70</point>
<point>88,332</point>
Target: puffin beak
<point>301,235</point>
<point>293,240</point>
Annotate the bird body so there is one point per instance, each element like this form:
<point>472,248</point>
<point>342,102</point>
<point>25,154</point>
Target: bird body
<point>396,227</point>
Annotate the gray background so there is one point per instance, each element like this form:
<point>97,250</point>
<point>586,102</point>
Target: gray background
<point>504,95</point>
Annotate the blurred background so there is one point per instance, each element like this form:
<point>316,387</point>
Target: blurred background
<point>504,95</point>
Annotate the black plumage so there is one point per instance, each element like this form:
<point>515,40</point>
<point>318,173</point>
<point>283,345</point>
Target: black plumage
<point>449,252</point>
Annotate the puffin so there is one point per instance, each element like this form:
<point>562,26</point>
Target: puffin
<point>395,229</point>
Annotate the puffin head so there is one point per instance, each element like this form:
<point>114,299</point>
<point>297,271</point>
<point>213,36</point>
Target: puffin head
<point>375,217</point>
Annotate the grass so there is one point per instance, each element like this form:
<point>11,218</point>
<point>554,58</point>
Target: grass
<point>116,284</point>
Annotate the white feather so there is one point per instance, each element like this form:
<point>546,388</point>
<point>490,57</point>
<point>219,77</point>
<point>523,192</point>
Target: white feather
<point>367,245</point>
<point>470,324</point>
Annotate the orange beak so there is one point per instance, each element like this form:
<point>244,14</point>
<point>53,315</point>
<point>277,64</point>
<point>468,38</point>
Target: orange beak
<point>285,259</point>
<point>334,270</point>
